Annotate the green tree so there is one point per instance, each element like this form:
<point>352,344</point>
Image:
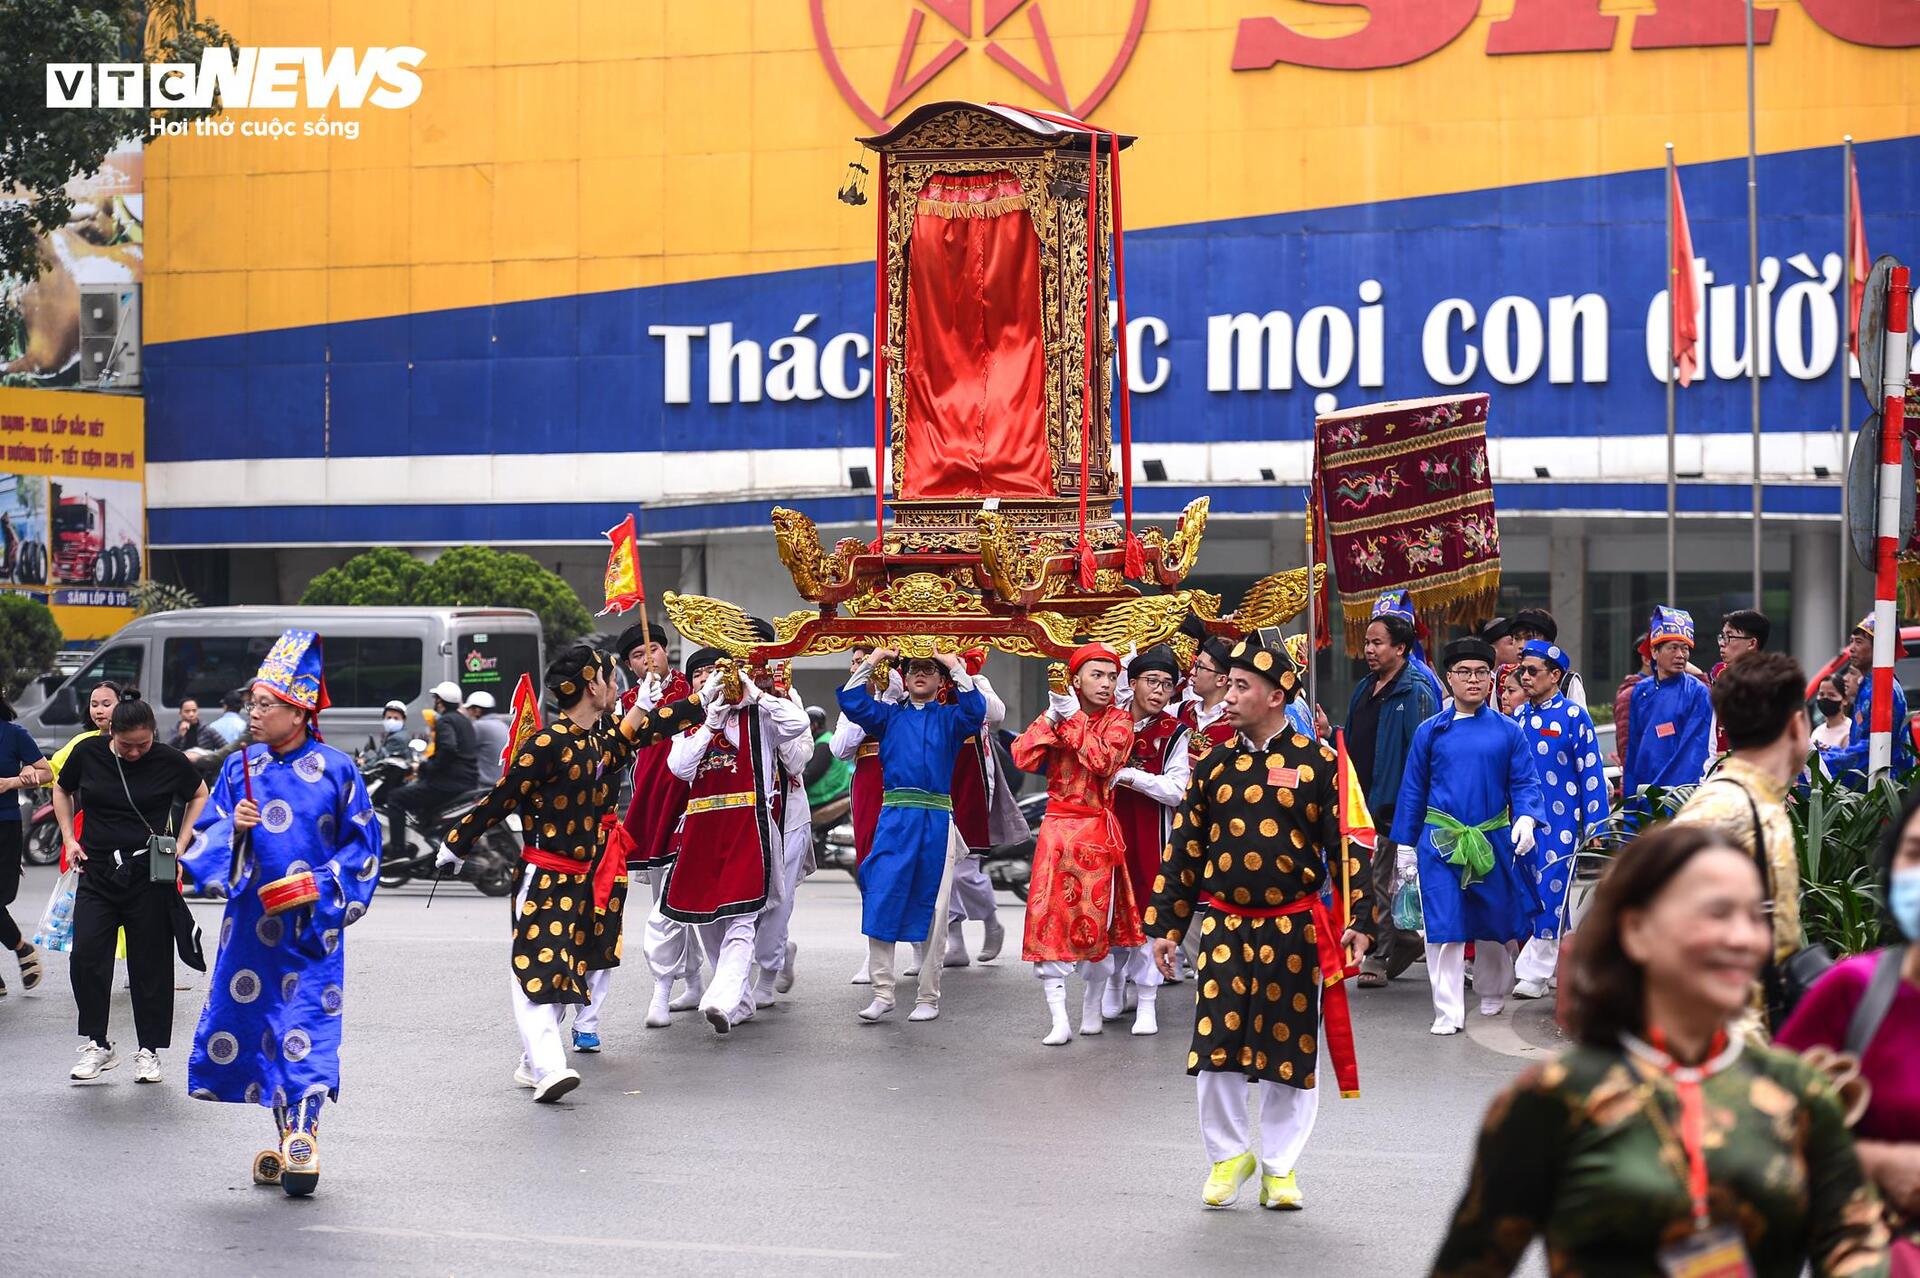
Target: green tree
<point>42,148</point>
<point>28,640</point>
<point>381,576</point>
<point>479,576</point>
<point>464,577</point>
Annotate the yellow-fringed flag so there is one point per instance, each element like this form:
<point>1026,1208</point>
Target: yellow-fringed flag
<point>524,721</point>
<point>624,587</point>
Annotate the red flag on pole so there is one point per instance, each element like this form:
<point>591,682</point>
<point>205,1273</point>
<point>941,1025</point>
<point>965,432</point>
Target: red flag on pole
<point>524,720</point>
<point>1683,278</point>
<point>1859,264</point>
<point>624,588</point>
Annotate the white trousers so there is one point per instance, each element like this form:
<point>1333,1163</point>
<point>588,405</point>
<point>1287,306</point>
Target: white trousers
<point>1286,1120</point>
<point>770,944</point>
<point>972,893</point>
<point>671,949</point>
<point>729,945</point>
<point>1134,964</point>
<point>539,1023</point>
<point>928,990</point>
<point>1539,960</point>
<point>1447,973</point>
<point>586,1020</point>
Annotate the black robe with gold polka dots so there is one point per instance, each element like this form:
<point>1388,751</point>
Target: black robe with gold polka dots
<point>562,783</point>
<point>1258,831</point>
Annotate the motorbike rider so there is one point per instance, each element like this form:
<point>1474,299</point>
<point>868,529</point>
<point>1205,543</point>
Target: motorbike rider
<point>392,742</point>
<point>450,770</point>
<point>829,780</point>
<point>491,734</point>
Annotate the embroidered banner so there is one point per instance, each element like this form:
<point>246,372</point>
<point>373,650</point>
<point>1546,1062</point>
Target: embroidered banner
<point>1407,498</point>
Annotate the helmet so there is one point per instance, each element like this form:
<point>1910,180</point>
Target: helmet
<point>817,717</point>
<point>482,700</point>
<point>448,692</point>
<point>401,706</point>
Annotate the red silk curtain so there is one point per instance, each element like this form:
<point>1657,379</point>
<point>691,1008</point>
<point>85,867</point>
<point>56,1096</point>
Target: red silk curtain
<point>975,419</point>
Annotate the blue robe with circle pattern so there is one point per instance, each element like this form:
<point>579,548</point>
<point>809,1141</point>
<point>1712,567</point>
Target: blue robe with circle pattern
<point>270,1034</point>
<point>1566,756</point>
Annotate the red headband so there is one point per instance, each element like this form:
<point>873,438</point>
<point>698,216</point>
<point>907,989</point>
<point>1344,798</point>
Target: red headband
<point>1091,652</point>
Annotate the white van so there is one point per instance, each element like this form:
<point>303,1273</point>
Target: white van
<point>373,656</point>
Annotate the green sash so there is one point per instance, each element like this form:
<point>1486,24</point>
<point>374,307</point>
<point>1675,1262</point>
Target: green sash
<point>906,797</point>
<point>1465,846</point>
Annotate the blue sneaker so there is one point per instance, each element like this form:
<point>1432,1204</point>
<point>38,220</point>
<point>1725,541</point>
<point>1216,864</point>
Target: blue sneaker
<point>585,1042</point>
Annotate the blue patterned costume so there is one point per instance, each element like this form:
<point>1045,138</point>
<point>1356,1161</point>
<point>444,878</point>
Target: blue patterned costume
<point>1566,756</point>
<point>1848,763</point>
<point>270,1034</point>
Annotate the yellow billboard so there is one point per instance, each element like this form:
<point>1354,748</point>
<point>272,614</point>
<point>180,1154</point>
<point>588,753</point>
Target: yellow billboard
<point>72,504</point>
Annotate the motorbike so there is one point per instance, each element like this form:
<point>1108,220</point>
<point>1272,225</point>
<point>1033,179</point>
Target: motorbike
<point>491,866</point>
<point>1009,866</point>
<point>43,832</point>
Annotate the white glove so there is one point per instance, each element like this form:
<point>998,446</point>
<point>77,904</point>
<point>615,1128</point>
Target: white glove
<point>1523,836</point>
<point>646,693</point>
<point>1126,777</point>
<point>447,859</point>
<point>1062,705</point>
<point>717,711</point>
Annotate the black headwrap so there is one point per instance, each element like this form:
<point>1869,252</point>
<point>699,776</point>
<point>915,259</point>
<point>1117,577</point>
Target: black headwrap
<point>1264,653</point>
<point>1218,651</point>
<point>701,658</point>
<point>635,635</point>
<point>1467,648</point>
<point>572,671</point>
<point>1159,657</point>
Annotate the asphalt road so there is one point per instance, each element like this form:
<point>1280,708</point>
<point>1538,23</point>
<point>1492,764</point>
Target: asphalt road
<point>803,1143</point>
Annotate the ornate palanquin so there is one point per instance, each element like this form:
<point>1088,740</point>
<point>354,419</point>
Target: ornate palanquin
<point>993,439</point>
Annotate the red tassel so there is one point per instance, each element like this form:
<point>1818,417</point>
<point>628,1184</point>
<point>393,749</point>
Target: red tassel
<point>1136,558</point>
<point>1089,573</point>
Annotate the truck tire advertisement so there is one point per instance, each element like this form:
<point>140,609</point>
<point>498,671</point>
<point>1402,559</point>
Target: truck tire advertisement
<point>73,504</point>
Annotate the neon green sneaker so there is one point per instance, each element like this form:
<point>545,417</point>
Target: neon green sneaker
<point>1281,1193</point>
<point>1223,1184</point>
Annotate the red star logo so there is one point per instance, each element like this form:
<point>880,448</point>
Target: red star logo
<point>965,29</point>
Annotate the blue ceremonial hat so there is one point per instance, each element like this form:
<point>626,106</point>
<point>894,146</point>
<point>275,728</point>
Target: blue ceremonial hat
<point>1552,652</point>
<point>1669,624</point>
<point>292,671</point>
<point>1395,603</point>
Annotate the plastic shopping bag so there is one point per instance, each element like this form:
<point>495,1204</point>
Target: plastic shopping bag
<point>56,925</point>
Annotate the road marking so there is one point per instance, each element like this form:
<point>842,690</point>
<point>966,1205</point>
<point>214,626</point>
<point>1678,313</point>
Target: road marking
<point>562,1240</point>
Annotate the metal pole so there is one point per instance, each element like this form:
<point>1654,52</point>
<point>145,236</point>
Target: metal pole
<point>1753,301</point>
<point>1846,376</point>
<point>1893,392</point>
<point>1313,637</point>
<point>1673,372</point>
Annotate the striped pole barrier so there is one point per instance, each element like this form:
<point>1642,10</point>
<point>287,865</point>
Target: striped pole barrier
<point>1886,624</point>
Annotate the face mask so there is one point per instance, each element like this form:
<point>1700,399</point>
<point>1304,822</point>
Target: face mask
<point>1828,708</point>
<point>1904,900</point>
<point>392,726</point>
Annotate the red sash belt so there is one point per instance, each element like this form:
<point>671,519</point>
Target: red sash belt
<point>554,861</point>
<point>1334,970</point>
<point>1076,811</point>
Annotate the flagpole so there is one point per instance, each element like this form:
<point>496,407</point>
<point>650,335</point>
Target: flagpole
<point>1313,621</point>
<point>1753,301</point>
<point>1673,372</point>
<point>1846,374</point>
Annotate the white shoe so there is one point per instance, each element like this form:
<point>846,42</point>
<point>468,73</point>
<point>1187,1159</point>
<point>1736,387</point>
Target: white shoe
<point>1113,999</point>
<point>913,964</point>
<point>1530,989</point>
<point>874,1010</point>
<point>956,949</point>
<point>784,982</point>
<point>1146,1019</point>
<point>687,999</point>
<point>523,1075</point>
<point>660,1010</point>
<point>1492,1006</point>
<point>146,1066</point>
<point>1061,1033</point>
<point>1090,1001</point>
<point>863,976</point>
<point>94,1061</point>
<point>1443,1026</point>
<point>555,1085</point>
<point>995,938</point>
<point>763,989</point>
<point>924,1012</point>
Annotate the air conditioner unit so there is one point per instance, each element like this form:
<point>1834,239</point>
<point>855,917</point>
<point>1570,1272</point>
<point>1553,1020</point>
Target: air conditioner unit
<point>110,335</point>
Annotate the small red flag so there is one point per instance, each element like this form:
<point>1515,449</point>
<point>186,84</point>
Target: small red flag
<point>523,722</point>
<point>624,588</point>
<point>1859,264</point>
<point>1683,279</point>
